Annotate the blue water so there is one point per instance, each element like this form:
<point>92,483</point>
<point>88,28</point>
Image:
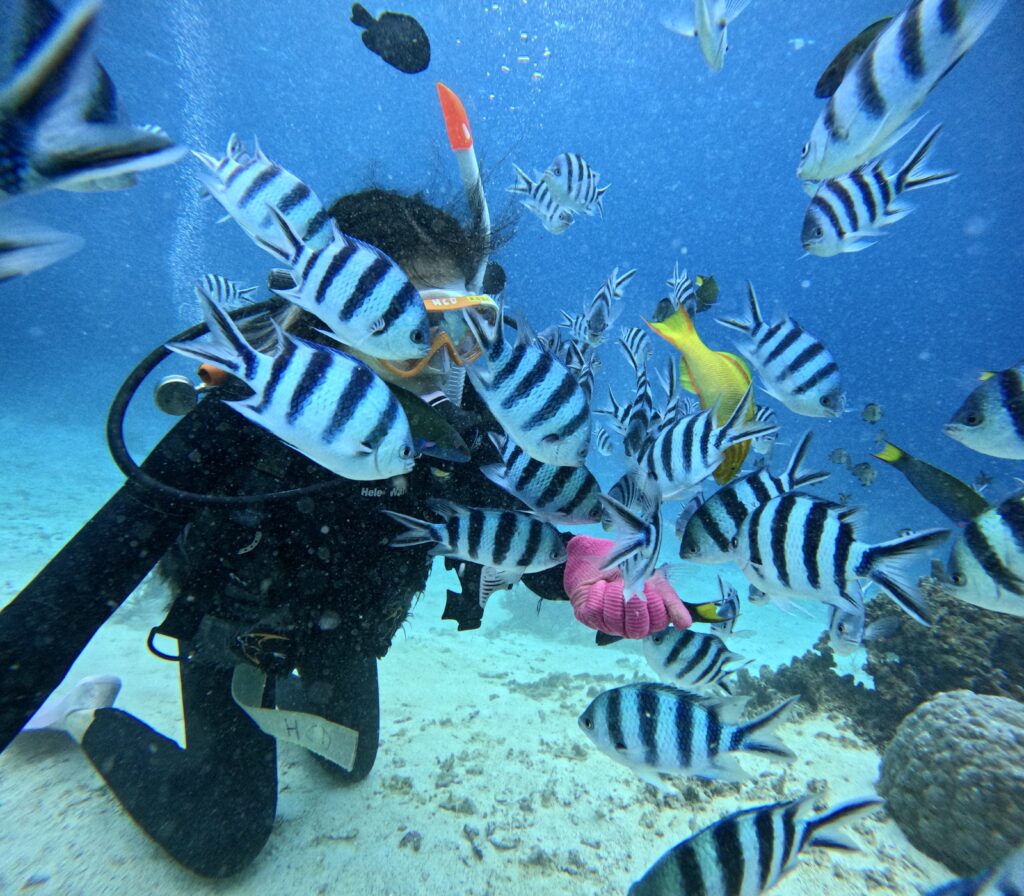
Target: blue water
<point>702,168</point>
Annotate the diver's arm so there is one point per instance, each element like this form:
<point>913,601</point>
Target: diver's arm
<point>48,624</point>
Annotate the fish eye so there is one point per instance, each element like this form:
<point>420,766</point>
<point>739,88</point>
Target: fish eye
<point>959,579</point>
<point>826,401</point>
<point>818,233</point>
<point>588,724</point>
<point>419,337</point>
<point>734,543</point>
<point>973,419</point>
<point>806,149</point>
<point>405,452</point>
<point>841,628</point>
<point>556,170</point>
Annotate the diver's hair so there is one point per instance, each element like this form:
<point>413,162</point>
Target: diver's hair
<point>426,242</point>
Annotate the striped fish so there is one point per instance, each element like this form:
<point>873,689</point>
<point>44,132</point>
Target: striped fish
<point>794,367</point>
<point>870,109</point>
<point>619,413</point>
<point>567,495</point>
<point>505,542</point>
<point>639,413</point>
<point>583,363</point>
<point>991,419</point>
<point>765,445</point>
<point>656,728</point>
<point>986,565</point>
<point>711,532</point>
<point>531,394</point>
<point>357,291</point>
<point>599,314</point>
<point>847,211</point>
<point>60,123</point>
<point>324,404</point>
<point>708,21</point>
<point>603,442</point>
<point>248,186</point>
<point>683,293</point>
<point>686,452</point>
<point>573,183</point>
<point>749,851</point>
<point>728,607</point>
<point>633,509</point>
<point>537,198</point>
<point>798,546</point>
<point>689,660</point>
<point>223,292</point>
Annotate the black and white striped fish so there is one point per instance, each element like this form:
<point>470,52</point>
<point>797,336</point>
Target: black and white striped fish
<point>712,529</point>
<point>639,413</point>
<point>689,660</point>
<point>225,293</point>
<point>986,565</point>
<point>506,543</point>
<point>683,293</point>
<point>798,546</point>
<point>600,313</point>
<point>573,183</point>
<point>749,851</point>
<point>619,413</point>
<point>656,728</point>
<point>359,293</point>
<point>846,212</point>
<point>687,451</point>
<point>534,396</point>
<point>728,607</point>
<point>765,445</point>
<point>637,344</point>
<point>847,631</point>
<point>870,109</point>
<point>248,186</point>
<point>324,404</point>
<point>537,198</point>
<point>567,495</point>
<point>991,419</point>
<point>583,362</point>
<point>576,324</point>
<point>794,367</point>
<point>603,442</point>
<point>633,510</point>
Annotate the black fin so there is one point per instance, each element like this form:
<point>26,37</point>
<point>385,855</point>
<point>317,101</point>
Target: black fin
<point>361,17</point>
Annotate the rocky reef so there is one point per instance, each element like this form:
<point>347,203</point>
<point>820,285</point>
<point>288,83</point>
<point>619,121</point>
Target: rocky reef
<point>966,648</point>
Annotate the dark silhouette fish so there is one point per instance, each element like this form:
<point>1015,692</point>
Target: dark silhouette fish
<point>835,71</point>
<point>396,37</point>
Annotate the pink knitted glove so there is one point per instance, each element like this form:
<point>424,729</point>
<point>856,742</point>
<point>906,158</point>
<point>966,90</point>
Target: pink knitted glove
<point>597,599</point>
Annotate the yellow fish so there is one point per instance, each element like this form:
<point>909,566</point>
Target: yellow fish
<point>712,376</point>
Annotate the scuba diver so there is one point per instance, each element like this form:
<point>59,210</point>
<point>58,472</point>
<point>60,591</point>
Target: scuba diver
<point>280,606</point>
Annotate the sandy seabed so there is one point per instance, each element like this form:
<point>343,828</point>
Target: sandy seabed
<point>484,783</point>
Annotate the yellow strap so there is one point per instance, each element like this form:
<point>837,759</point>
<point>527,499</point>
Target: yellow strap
<point>438,301</point>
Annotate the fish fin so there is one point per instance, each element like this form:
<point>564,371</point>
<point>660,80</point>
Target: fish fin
<point>858,246</point>
<point>897,135</point>
<point>30,247</point>
<point>758,736</point>
<point>681,23</point>
<point>886,564</point>
<point>811,187</point>
<point>417,531</point>
<point>677,329</point>
<point>724,768</point>
<point>599,205</point>
<point>492,580</point>
<point>882,628</point>
<point>497,474</point>
<point>378,326</point>
<point>288,248</point>
<point>626,520</point>
<point>823,830</point>
<point>792,474</point>
<point>226,347</point>
<point>911,176</point>
<point>444,508</point>
<point>733,8</point>
<point>361,17</point>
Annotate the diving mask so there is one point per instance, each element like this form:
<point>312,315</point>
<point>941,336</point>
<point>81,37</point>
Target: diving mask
<point>452,343</point>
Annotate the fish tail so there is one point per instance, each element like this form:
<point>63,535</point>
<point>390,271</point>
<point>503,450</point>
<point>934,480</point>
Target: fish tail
<point>625,520</point>
<point>891,454</point>
<point>747,327</point>
<point>911,176</point>
<point>227,348</point>
<point>759,737</point>
<point>288,248</point>
<point>361,17</point>
<point>886,565</point>
<point>792,474</point>
<point>824,830</point>
<point>523,182</point>
<point>677,329</point>
<point>599,202</point>
<point>416,531</point>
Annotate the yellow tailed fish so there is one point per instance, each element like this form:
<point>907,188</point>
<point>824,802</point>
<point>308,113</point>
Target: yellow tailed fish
<point>714,377</point>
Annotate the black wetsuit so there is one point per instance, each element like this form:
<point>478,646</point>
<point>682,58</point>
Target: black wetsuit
<point>308,571</point>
